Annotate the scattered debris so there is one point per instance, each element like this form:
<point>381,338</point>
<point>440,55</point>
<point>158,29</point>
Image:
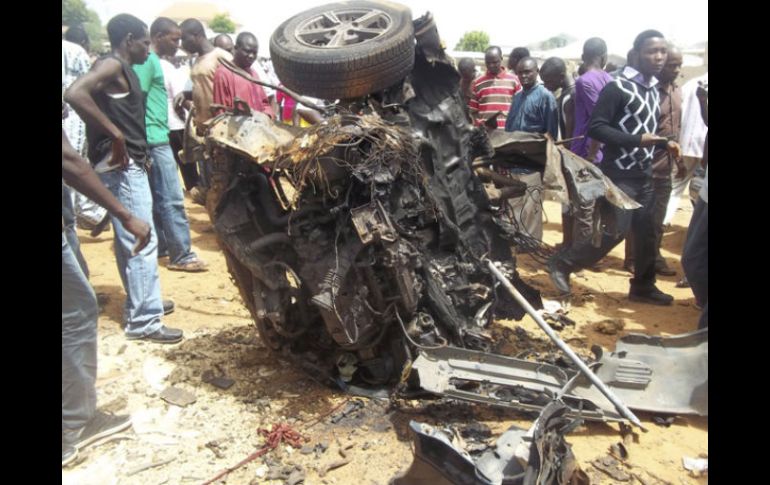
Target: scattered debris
<point>177,396</point>
<point>222,381</point>
<point>215,448</point>
<point>540,453</point>
<point>147,466</point>
<point>664,421</point>
<point>351,407</point>
<point>333,466</point>
<point>610,326</point>
<point>696,466</point>
<point>296,477</point>
<point>619,451</point>
<point>612,467</point>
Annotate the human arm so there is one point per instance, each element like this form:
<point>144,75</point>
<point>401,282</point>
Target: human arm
<point>601,125</point>
<point>80,95</point>
<point>79,175</point>
<point>551,116</point>
<point>223,94</point>
<point>569,117</point>
<point>702,94</point>
<point>473,105</point>
<point>311,116</point>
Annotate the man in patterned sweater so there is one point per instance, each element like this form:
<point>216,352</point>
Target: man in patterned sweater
<point>625,120</point>
<point>493,92</point>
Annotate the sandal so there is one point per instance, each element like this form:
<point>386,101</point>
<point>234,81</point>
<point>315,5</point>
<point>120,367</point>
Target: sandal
<point>192,266</point>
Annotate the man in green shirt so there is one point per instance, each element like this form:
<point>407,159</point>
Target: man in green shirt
<point>169,216</point>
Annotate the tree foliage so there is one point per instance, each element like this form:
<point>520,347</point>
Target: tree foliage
<point>222,24</point>
<point>74,12</point>
<point>474,41</point>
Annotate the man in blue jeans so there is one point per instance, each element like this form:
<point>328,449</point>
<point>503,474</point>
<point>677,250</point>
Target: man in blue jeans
<point>82,424</point>
<point>171,222</point>
<point>109,99</point>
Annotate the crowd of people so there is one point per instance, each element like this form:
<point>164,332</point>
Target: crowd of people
<point>125,116</point>
<point>645,132</point>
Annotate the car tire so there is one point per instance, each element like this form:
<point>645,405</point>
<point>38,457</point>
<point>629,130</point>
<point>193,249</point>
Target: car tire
<point>313,54</point>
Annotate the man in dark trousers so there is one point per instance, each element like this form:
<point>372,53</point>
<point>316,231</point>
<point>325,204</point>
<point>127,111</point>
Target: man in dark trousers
<point>626,121</point>
<point>663,165</point>
<point>110,101</point>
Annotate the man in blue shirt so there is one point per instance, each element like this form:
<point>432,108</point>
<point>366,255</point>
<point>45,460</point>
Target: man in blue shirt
<point>534,108</point>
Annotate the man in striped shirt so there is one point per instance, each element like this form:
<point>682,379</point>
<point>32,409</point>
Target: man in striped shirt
<point>493,92</point>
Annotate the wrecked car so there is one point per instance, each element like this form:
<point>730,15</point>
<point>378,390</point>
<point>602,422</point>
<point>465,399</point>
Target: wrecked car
<point>359,240</point>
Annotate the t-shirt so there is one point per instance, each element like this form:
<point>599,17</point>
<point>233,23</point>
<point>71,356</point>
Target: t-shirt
<point>202,76</point>
<point>228,86</point>
<point>175,80</point>
<point>669,124</point>
<point>126,111</point>
<point>693,133</point>
<point>493,93</point>
<point>264,68</point>
<point>534,110</point>
<point>153,84</point>
<point>74,63</point>
<point>587,89</point>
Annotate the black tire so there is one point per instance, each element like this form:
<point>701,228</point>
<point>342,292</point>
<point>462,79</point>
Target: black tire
<point>346,71</point>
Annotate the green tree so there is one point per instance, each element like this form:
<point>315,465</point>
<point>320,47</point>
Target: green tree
<point>75,12</point>
<point>222,24</point>
<point>474,41</point>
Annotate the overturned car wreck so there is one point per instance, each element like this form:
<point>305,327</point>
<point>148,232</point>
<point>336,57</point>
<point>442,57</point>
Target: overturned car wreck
<point>361,243</point>
<point>362,237</point>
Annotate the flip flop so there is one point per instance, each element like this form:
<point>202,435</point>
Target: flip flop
<point>192,266</point>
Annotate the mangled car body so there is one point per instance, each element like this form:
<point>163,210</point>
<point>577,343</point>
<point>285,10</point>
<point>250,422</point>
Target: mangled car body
<point>362,237</point>
<point>360,243</point>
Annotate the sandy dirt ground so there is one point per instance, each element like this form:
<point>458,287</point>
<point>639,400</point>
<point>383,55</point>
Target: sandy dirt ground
<point>172,444</point>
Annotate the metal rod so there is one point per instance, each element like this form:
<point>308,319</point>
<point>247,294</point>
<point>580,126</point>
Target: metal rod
<point>561,142</point>
<point>622,409</point>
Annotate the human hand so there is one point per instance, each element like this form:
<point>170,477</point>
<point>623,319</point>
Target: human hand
<point>179,102</point>
<point>119,153</point>
<point>679,169</point>
<point>650,139</point>
<point>141,231</point>
<point>674,149</point>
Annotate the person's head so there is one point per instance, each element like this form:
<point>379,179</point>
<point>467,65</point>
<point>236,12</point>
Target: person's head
<point>553,72</point>
<point>246,47</point>
<point>223,41</point>
<point>165,34</point>
<point>517,54</point>
<point>193,36</point>
<point>595,52</point>
<point>673,66</point>
<point>467,68</point>
<point>611,67</point>
<point>130,37</point>
<point>493,58</point>
<point>527,71</point>
<point>632,58</point>
<point>651,50</point>
<point>77,34</point>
